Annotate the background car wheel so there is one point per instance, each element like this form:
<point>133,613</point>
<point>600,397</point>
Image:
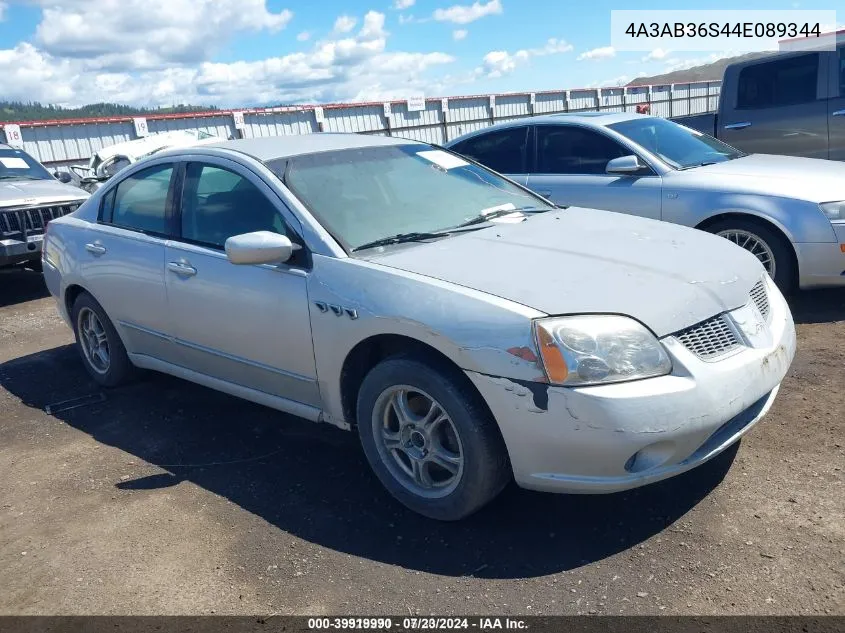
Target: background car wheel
<point>769,246</point>
<point>430,440</point>
<point>102,351</point>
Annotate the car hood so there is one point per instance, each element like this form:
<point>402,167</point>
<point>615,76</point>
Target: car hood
<point>15,193</point>
<point>811,179</point>
<point>588,261</point>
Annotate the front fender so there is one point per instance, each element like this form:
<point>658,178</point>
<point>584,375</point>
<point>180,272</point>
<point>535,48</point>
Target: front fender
<point>351,300</point>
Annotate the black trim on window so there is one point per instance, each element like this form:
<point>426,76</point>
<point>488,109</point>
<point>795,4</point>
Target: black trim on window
<point>111,195</point>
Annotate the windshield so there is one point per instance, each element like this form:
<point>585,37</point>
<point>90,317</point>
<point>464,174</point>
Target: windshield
<point>16,163</point>
<point>366,194</point>
<point>680,146</point>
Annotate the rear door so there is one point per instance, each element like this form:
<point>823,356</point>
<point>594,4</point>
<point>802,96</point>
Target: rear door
<point>503,150</point>
<point>571,163</point>
<point>780,107</point>
<point>836,105</point>
<point>244,324</point>
<point>123,262</point>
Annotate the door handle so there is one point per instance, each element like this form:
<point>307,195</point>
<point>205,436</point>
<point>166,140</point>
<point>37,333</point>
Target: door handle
<point>738,126</point>
<point>95,248</point>
<point>181,268</point>
<point>838,113</point>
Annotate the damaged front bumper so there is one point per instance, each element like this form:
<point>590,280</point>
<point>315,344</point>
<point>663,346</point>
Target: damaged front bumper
<point>608,438</point>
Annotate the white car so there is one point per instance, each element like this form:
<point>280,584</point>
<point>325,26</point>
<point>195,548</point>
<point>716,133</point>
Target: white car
<point>471,331</point>
<point>106,162</point>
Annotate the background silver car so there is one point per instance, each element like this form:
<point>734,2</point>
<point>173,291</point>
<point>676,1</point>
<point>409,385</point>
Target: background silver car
<point>471,331</point>
<point>788,211</point>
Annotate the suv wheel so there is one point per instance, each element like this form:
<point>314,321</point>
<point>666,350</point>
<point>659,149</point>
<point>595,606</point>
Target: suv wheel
<point>432,444</point>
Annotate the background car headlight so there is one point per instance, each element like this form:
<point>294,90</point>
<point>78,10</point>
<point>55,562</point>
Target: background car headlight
<point>598,349</point>
<point>834,210</point>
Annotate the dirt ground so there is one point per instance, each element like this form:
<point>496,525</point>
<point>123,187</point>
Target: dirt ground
<point>167,498</point>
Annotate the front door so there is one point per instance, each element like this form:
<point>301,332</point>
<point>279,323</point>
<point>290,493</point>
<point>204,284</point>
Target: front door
<point>244,324</point>
<point>570,171</point>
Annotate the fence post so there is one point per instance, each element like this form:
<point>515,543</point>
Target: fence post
<point>689,99</point>
<point>671,100</point>
<point>444,113</point>
<point>624,98</point>
<point>492,109</point>
<point>388,113</point>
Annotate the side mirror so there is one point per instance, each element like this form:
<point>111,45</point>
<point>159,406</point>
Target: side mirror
<point>259,247</point>
<point>63,176</point>
<point>625,166</point>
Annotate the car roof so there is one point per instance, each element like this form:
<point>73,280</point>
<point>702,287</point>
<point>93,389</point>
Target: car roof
<point>275,147</point>
<point>600,119</point>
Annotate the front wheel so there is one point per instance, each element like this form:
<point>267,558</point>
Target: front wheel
<point>769,246</point>
<point>432,444</point>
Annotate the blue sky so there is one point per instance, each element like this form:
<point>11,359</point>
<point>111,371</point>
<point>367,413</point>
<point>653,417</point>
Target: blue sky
<point>260,52</point>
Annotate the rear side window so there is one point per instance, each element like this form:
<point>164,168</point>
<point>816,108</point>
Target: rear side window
<point>140,202</point>
<point>781,82</point>
<point>503,151</point>
<point>565,149</point>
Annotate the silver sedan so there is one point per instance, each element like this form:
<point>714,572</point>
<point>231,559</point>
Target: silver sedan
<point>789,212</point>
<point>470,331</point>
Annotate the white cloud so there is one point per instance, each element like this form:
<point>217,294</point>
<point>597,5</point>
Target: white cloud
<point>373,25</point>
<point>356,66</point>
<point>3,7</point>
<point>498,63</point>
<point>403,4</point>
<point>655,55</point>
<point>344,24</point>
<point>406,19</point>
<point>605,52</point>
<point>463,14</point>
<point>459,34</point>
<point>149,33</point>
<point>304,36</point>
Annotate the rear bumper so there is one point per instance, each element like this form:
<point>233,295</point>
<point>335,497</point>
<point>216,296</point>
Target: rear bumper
<point>822,263</point>
<point>14,251</point>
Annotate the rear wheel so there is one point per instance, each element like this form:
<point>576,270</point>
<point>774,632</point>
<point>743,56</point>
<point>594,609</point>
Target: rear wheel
<point>433,445</point>
<point>102,351</point>
<point>768,245</point>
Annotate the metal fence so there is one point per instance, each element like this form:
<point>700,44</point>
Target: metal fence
<point>66,142</point>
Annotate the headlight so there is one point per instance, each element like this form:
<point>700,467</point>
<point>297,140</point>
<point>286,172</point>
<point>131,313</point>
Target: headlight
<point>834,210</point>
<point>598,349</point>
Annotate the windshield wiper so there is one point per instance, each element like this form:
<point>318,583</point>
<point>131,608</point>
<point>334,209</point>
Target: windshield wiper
<point>481,218</point>
<point>400,238</point>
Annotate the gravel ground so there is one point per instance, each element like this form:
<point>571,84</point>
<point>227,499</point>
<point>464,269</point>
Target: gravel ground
<point>166,498</point>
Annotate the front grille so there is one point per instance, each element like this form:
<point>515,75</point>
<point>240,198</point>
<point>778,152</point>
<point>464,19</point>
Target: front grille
<point>761,298</point>
<point>709,339</point>
<point>33,218</point>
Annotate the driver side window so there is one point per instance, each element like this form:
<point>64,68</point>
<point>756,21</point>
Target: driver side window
<point>573,150</point>
<point>218,203</point>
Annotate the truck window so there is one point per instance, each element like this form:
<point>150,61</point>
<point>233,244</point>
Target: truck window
<point>780,82</point>
<point>842,71</point>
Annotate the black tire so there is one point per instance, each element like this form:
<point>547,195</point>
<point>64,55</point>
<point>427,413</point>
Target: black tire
<point>485,469</point>
<point>119,369</point>
<point>785,276</point>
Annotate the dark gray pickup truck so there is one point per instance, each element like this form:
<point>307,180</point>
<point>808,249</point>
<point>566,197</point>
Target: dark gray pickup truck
<point>788,103</point>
